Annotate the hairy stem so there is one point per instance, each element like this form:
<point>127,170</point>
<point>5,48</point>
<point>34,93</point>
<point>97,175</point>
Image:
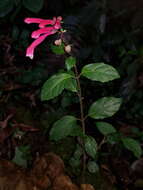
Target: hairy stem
<point>82,118</point>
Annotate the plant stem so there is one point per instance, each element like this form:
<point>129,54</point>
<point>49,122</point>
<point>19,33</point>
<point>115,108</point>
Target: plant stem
<point>82,119</point>
<point>80,100</point>
<point>101,143</point>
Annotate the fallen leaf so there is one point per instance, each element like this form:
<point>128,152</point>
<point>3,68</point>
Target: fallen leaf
<point>86,187</point>
<point>63,182</point>
<point>50,164</point>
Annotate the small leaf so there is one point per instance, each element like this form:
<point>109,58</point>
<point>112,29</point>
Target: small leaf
<point>63,128</point>
<point>133,146</point>
<point>100,72</point>
<point>90,146</point>
<point>78,152</point>
<point>113,138</point>
<point>70,62</point>
<point>105,128</point>
<point>33,5</point>
<point>92,167</point>
<point>74,162</point>
<point>71,85</point>
<point>58,50</point>
<point>19,157</point>
<point>104,107</point>
<point>54,86</point>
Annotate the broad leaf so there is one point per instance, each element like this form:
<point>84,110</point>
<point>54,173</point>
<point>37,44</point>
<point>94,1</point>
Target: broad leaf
<point>105,128</point>
<point>90,146</point>
<point>70,62</point>
<point>58,50</point>
<point>100,72</point>
<point>33,5</point>
<point>71,85</point>
<point>63,128</point>
<point>133,146</point>
<point>76,131</point>
<point>104,107</point>
<point>54,86</point>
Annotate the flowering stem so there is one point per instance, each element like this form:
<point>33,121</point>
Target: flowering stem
<point>82,118</point>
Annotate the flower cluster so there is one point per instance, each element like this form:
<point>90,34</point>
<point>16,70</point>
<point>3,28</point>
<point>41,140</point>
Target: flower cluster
<point>46,28</point>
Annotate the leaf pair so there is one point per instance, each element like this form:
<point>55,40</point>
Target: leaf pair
<point>67,126</point>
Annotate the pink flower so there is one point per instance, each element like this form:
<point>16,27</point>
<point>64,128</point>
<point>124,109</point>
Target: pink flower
<point>37,33</point>
<point>42,32</point>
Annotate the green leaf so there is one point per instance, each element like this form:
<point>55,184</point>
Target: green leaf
<point>90,146</point>
<point>100,72</point>
<point>71,85</point>
<point>70,62</point>
<point>133,146</point>
<point>78,152</point>
<point>113,138</point>
<point>19,157</point>
<point>54,86</point>
<point>92,167</point>
<point>74,162</point>
<point>104,107</point>
<point>33,5</point>
<point>63,128</point>
<point>76,131</point>
<point>5,7</point>
<point>105,128</point>
<point>58,50</point>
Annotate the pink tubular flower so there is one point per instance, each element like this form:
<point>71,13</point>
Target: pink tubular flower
<point>43,23</point>
<point>39,21</point>
<point>42,32</point>
<point>37,33</point>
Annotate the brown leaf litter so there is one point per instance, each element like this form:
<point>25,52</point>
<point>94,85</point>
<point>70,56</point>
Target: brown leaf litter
<point>48,173</point>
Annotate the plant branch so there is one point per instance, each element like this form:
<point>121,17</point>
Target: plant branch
<point>80,99</point>
<point>79,93</point>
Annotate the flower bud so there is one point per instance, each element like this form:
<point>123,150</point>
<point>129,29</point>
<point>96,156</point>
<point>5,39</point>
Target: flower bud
<point>68,48</point>
<point>58,42</point>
